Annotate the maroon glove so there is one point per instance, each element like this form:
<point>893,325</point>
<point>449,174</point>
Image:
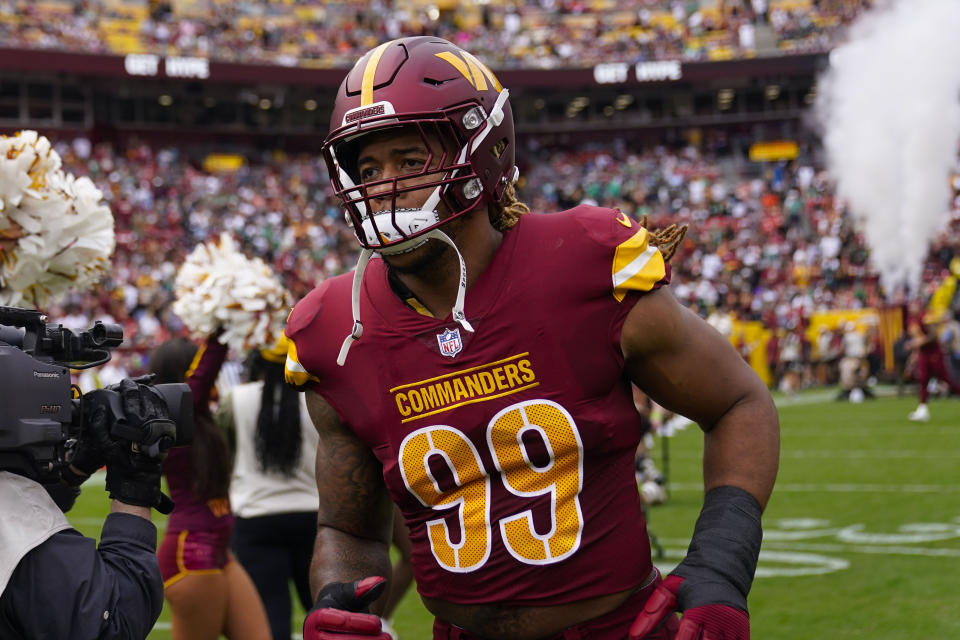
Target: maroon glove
<point>706,622</point>
<point>341,612</point>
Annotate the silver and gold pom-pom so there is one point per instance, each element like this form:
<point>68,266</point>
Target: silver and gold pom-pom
<point>220,288</point>
<point>56,234</point>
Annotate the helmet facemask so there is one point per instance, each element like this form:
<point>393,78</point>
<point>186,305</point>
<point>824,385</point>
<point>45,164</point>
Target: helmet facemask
<point>448,172</point>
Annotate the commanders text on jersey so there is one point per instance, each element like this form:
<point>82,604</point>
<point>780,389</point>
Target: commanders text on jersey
<point>492,380</point>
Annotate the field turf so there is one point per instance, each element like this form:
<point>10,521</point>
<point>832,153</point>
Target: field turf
<point>862,534</point>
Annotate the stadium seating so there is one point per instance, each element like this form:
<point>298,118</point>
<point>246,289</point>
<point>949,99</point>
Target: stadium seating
<point>506,34</point>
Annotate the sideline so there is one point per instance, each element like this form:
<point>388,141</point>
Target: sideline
<point>829,394</point>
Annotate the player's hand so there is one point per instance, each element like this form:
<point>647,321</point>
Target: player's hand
<point>342,612</point>
<point>707,621</point>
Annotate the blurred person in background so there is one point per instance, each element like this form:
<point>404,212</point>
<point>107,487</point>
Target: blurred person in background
<point>569,308</point>
<point>791,363</point>
<point>651,482</point>
<point>926,359</point>
<point>826,365</point>
<point>772,348</point>
<point>950,338</point>
<point>902,361</point>
<point>273,489</point>
<point>103,376</point>
<point>854,368</point>
<point>209,593</point>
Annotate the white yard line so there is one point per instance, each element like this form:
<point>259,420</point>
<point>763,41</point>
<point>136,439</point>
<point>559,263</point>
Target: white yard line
<point>892,550</point>
<point>868,453</point>
<point>839,488</point>
<point>910,429</point>
<point>883,454</point>
<point>876,549</point>
<point>809,397</point>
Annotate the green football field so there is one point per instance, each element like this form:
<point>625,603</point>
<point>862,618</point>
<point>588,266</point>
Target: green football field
<point>862,534</point>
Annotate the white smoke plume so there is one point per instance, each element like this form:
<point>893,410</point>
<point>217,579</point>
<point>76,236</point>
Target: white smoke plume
<point>889,108</point>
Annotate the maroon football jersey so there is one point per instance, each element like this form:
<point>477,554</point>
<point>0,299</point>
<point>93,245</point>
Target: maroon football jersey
<point>509,450</point>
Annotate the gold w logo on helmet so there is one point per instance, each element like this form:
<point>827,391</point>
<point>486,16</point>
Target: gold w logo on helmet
<point>472,69</point>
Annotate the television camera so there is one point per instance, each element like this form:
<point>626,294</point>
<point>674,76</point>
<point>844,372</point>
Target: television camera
<point>42,416</point>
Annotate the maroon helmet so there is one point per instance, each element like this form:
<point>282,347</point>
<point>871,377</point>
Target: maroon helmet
<point>429,86</point>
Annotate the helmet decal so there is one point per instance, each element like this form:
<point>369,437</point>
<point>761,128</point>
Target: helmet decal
<point>472,69</point>
<point>370,72</point>
<point>382,108</point>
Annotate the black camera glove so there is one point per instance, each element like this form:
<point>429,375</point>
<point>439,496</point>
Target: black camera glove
<point>90,454</point>
<point>137,408</point>
<point>86,459</point>
<point>133,420</point>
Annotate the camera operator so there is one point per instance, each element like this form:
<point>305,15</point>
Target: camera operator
<point>56,583</point>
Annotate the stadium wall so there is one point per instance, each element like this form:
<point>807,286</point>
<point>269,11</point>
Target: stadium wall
<point>193,99</point>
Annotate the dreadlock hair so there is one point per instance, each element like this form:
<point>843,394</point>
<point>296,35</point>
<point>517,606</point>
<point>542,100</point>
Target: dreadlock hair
<point>277,439</point>
<point>209,455</point>
<point>504,214</point>
<point>667,240</point>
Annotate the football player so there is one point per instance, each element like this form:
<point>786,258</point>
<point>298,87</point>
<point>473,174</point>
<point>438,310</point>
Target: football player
<point>927,357</point>
<point>478,373</point>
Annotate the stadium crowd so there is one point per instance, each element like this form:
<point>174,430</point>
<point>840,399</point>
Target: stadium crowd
<point>520,33</point>
<point>773,246</point>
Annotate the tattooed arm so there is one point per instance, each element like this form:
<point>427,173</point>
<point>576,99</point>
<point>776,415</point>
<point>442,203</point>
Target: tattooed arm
<point>355,515</point>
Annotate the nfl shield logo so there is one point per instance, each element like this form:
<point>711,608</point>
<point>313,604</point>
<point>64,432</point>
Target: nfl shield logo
<point>450,343</point>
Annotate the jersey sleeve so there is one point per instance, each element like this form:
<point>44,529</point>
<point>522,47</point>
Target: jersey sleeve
<point>301,323</point>
<point>621,252</point>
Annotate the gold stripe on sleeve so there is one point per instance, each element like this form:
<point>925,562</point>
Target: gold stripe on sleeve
<point>195,362</point>
<point>293,371</point>
<point>637,266</point>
